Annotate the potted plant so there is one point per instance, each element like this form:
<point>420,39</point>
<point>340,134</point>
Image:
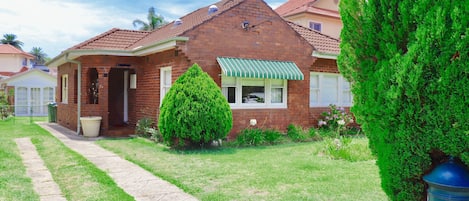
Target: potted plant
<point>91,125</point>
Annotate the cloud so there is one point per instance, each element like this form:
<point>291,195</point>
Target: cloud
<point>59,24</point>
<point>55,25</point>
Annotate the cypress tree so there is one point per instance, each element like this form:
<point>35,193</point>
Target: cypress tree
<point>408,62</point>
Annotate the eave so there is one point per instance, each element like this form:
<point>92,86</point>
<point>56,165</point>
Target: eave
<point>324,55</point>
<point>139,51</point>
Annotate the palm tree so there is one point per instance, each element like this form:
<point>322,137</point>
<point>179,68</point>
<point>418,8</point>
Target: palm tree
<point>154,21</point>
<point>11,39</point>
<point>39,55</point>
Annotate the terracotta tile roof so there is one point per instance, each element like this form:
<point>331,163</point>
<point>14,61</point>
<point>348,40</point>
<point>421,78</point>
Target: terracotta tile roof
<point>10,49</point>
<point>119,39</point>
<point>321,42</point>
<point>314,10</point>
<point>114,39</point>
<point>189,22</point>
<point>293,7</point>
<point>9,74</point>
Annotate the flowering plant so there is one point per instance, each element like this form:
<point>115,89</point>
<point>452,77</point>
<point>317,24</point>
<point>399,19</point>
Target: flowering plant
<point>93,92</point>
<point>337,119</point>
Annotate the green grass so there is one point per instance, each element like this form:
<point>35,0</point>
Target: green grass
<point>78,178</point>
<point>282,172</point>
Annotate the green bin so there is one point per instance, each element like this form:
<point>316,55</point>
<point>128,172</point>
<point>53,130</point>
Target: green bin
<point>52,112</point>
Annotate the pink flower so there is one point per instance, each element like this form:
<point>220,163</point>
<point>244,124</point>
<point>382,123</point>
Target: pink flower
<point>322,123</point>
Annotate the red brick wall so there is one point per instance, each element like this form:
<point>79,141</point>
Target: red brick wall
<point>271,39</point>
<point>325,66</point>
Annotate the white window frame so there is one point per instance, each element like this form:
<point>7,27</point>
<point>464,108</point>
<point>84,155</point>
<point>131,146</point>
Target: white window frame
<point>65,86</point>
<point>312,27</point>
<point>267,91</point>
<point>341,91</point>
<point>164,88</point>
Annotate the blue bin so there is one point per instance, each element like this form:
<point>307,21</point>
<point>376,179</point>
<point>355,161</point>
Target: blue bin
<point>448,181</point>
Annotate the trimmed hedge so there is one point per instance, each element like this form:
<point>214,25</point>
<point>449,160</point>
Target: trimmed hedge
<point>194,112</point>
<point>408,61</point>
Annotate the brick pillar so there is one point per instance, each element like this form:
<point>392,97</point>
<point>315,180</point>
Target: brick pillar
<point>103,79</point>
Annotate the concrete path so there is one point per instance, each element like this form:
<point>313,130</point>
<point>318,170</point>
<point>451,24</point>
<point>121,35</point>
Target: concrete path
<point>43,183</point>
<point>134,180</point>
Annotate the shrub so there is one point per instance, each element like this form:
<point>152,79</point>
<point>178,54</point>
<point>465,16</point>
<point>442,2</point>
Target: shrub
<point>346,149</point>
<point>250,137</point>
<point>5,108</point>
<point>410,84</point>
<point>297,133</point>
<point>143,125</point>
<point>194,112</point>
<point>257,136</point>
<point>272,136</point>
<point>336,119</point>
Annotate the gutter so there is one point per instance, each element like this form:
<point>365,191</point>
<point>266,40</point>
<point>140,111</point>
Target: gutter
<point>324,55</point>
<point>78,91</point>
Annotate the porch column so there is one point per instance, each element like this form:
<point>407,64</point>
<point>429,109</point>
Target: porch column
<point>103,98</point>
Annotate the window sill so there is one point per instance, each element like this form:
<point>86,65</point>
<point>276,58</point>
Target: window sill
<point>260,106</point>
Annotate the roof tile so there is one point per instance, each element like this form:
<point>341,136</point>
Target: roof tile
<point>10,49</point>
<point>189,22</point>
<point>114,39</point>
<point>321,42</point>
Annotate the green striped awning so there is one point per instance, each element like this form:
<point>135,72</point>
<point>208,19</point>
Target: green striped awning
<point>254,68</point>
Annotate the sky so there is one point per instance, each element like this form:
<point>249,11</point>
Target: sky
<point>56,25</point>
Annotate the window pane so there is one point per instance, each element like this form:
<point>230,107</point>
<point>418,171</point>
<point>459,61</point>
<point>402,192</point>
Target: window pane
<point>167,77</point>
<point>329,90</point>
<point>277,95</point>
<point>35,101</point>
<point>346,94</point>
<point>314,97</point>
<point>230,94</point>
<point>253,94</point>
<point>347,97</point>
<point>21,101</point>
<point>314,81</point>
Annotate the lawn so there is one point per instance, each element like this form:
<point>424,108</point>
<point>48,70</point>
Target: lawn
<point>283,172</point>
<point>77,177</point>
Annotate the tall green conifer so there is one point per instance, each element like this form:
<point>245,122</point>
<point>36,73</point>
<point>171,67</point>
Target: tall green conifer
<point>409,64</point>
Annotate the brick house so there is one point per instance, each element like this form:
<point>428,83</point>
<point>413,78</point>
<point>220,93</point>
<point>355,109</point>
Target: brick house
<point>230,40</point>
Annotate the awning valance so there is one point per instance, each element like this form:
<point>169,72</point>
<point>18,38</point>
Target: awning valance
<point>254,68</point>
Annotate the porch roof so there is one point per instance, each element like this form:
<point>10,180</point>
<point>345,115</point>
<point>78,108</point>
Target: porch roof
<point>255,68</point>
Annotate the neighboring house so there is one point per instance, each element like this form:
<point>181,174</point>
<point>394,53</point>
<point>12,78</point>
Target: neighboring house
<point>29,88</point>
<point>13,60</point>
<point>319,15</point>
<point>261,62</point>
<point>32,90</point>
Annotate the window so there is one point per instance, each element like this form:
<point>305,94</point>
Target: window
<point>165,82</point>
<point>254,93</point>
<point>315,26</point>
<point>329,88</point>
<point>65,88</point>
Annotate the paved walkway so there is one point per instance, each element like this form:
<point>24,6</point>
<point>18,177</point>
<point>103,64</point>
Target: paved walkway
<point>134,180</point>
<point>43,183</point>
